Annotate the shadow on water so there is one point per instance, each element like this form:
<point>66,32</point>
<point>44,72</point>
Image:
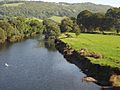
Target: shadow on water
<point>41,42</point>
<point>5,46</point>
<point>100,73</point>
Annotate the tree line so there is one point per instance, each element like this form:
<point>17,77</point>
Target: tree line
<point>90,22</point>
<point>15,29</point>
<point>18,28</point>
<point>86,21</point>
<point>53,29</point>
<point>42,10</point>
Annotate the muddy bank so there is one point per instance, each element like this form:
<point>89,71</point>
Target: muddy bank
<point>104,75</point>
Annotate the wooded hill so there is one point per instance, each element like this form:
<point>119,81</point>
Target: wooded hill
<point>42,10</point>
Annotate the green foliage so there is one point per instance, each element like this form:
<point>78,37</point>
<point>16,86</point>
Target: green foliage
<point>114,14</point>
<point>36,26</point>
<point>70,25</point>
<point>66,25</point>
<point>42,10</point>
<point>8,28</point>
<point>76,29</point>
<point>52,29</point>
<point>84,19</point>
<point>2,36</point>
<point>18,28</point>
<point>89,22</point>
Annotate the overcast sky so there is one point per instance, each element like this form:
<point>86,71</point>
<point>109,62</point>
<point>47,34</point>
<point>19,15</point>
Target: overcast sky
<point>115,3</point>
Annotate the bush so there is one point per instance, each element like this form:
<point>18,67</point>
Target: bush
<point>2,36</point>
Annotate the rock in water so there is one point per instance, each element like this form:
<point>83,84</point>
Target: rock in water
<point>115,80</point>
<point>89,79</point>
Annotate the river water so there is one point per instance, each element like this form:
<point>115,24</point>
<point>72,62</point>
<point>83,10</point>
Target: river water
<point>35,65</point>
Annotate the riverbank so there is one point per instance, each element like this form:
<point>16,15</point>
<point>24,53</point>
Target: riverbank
<point>105,75</point>
<point>100,49</point>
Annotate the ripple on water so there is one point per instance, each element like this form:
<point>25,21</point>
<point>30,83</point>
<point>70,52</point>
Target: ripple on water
<point>31,68</point>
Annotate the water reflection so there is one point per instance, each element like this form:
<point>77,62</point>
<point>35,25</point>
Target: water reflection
<point>49,44</point>
<point>5,46</point>
<point>36,65</point>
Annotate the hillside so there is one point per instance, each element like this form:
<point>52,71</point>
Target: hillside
<point>41,9</point>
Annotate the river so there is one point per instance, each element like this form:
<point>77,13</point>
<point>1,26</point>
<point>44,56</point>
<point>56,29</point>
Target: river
<point>34,65</point>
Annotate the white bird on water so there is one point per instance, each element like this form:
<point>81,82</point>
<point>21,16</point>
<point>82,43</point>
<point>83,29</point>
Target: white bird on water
<point>6,65</point>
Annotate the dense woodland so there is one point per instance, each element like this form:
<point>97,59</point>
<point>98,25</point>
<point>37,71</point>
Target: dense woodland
<point>42,10</point>
<point>90,22</point>
<point>16,28</point>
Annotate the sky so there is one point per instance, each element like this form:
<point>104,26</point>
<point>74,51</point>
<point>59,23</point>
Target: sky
<point>115,3</point>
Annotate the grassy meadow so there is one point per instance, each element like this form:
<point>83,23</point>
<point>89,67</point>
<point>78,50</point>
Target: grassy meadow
<point>57,19</point>
<point>107,45</point>
<point>29,19</point>
<point>13,4</point>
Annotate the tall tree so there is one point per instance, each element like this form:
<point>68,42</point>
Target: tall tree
<point>52,29</point>
<point>114,14</point>
<point>84,20</point>
<point>66,25</point>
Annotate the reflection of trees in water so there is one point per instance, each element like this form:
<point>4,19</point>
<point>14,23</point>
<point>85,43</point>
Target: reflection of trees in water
<point>5,46</point>
<point>41,41</point>
<point>49,44</point>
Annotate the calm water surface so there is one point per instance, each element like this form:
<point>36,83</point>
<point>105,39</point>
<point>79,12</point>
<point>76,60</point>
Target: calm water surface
<point>33,65</point>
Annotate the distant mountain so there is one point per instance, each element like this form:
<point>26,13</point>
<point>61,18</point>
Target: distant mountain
<point>41,9</point>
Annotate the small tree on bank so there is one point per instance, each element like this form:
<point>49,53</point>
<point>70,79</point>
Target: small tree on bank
<point>52,29</point>
<point>70,25</point>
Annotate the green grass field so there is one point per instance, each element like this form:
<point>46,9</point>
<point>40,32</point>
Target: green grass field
<point>57,19</point>
<point>107,45</point>
<point>13,4</point>
<point>29,19</point>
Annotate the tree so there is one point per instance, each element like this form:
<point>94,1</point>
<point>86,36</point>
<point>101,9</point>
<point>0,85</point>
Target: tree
<point>70,25</point>
<point>89,21</point>
<point>19,27</point>
<point>76,29</point>
<point>66,25</point>
<point>52,30</point>
<point>2,35</point>
<point>114,14</point>
<point>84,20</point>
<point>36,26</point>
<point>8,28</point>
